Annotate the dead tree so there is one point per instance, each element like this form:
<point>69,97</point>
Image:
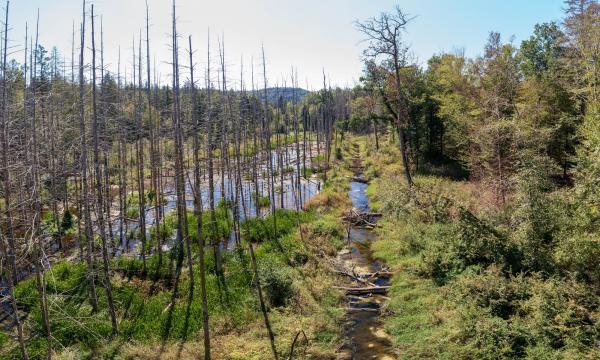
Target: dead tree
<point>198,206</point>
<point>99,196</point>
<point>140,157</point>
<point>179,170</point>
<point>209,155</point>
<point>10,253</point>
<point>384,37</point>
<point>83,163</point>
<point>153,155</point>
<point>267,126</point>
<point>39,258</point>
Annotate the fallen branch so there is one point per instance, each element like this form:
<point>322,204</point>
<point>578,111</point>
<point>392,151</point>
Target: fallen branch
<point>349,309</point>
<point>384,274</point>
<point>355,277</point>
<point>294,343</point>
<point>365,290</point>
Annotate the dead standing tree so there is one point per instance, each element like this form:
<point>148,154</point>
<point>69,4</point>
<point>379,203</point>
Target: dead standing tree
<point>10,253</point>
<point>384,37</point>
<point>39,258</point>
<point>198,205</point>
<point>84,181</point>
<point>99,190</point>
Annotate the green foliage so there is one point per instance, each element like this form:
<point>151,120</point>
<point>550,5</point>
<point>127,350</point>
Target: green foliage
<point>263,201</point>
<point>338,154</point>
<point>144,304</point>
<point>513,282</point>
<point>277,282</point>
<point>3,339</point>
<point>217,231</point>
<point>67,222</point>
<point>263,229</point>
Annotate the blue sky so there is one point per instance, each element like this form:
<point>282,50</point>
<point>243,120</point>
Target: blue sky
<point>310,35</point>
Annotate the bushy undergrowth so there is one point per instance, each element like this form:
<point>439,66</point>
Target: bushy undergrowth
<point>487,283</point>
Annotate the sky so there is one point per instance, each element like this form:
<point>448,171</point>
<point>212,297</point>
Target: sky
<point>311,36</point>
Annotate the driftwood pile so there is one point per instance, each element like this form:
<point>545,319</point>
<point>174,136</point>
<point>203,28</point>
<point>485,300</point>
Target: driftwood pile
<point>364,279</point>
<point>358,218</point>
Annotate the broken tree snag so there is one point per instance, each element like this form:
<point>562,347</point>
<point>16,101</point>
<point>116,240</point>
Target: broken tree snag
<point>364,290</point>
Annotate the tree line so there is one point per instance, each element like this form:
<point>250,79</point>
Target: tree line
<point>540,97</point>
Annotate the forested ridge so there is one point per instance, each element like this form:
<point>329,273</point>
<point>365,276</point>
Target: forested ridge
<point>444,210</point>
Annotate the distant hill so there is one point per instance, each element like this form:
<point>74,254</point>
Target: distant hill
<point>287,93</point>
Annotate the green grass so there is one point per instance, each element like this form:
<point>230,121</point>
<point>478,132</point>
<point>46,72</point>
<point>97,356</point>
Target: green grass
<point>145,316</point>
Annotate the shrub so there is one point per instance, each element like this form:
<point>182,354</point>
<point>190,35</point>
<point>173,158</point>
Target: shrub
<point>476,242</point>
<point>277,282</point>
<point>67,221</point>
<point>262,201</point>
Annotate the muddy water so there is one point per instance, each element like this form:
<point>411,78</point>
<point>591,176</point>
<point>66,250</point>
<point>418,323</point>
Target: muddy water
<point>365,337</point>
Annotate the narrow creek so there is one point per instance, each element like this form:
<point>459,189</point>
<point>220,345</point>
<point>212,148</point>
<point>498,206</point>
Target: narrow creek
<point>364,333</point>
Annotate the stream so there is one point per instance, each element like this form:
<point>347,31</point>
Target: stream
<point>364,333</point>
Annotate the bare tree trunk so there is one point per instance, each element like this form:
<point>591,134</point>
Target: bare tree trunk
<point>198,208</point>
<point>84,167</point>
<point>99,195</point>
<point>140,159</point>
<point>39,256</point>
<point>179,176</point>
<point>106,145</point>
<point>122,162</point>
<point>297,141</point>
<point>400,113</point>
<point>10,253</point>
<point>268,135</point>
<point>211,182</point>
<point>153,156</point>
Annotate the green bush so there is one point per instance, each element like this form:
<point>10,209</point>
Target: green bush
<point>277,282</point>
<point>67,221</point>
<point>263,229</point>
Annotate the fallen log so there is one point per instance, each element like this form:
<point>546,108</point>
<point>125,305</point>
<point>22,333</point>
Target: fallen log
<point>365,290</point>
<point>384,274</point>
<point>349,309</point>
